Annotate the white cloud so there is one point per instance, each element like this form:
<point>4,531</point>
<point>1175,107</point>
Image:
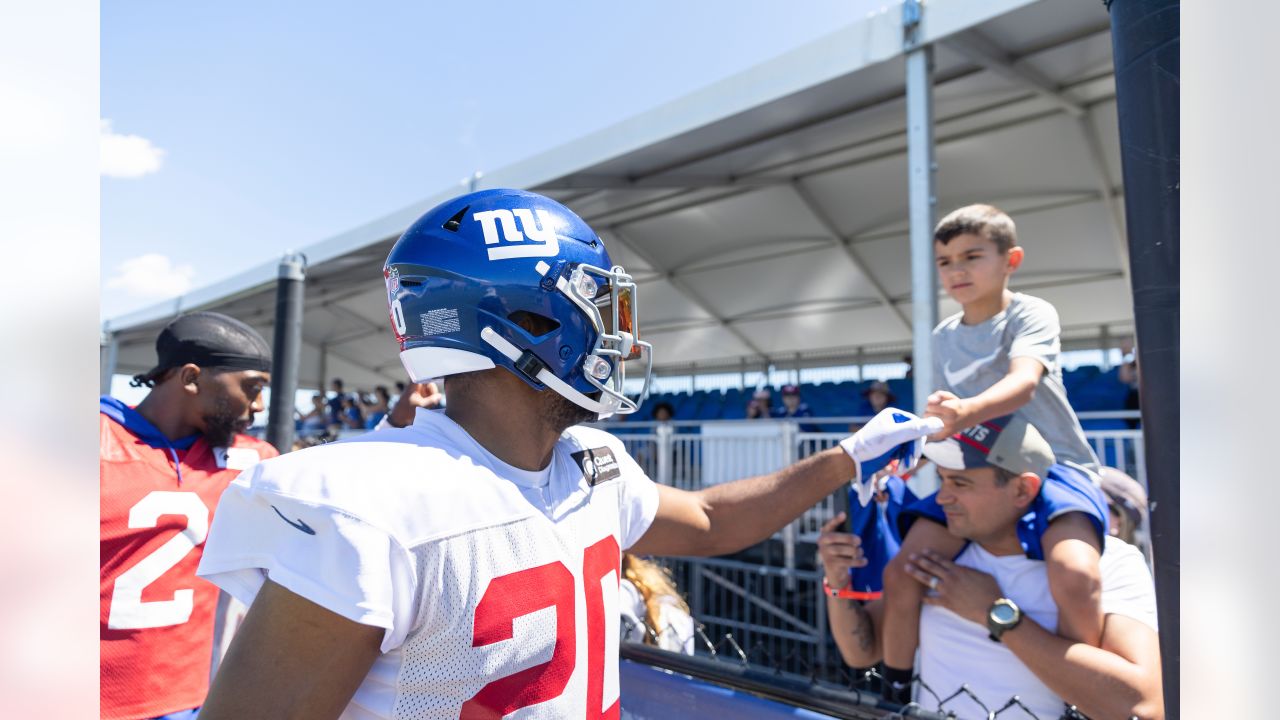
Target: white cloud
<point>126,156</point>
<point>152,276</point>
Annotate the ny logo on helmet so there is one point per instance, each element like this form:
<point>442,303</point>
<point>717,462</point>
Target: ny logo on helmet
<point>537,240</point>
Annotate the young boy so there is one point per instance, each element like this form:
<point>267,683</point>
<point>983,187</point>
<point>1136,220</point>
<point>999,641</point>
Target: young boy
<point>1000,356</point>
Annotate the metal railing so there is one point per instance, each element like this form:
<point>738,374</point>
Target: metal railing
<point>825,685</point>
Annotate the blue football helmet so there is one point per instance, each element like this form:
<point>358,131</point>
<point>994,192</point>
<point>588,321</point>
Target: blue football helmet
<point>461,277</point>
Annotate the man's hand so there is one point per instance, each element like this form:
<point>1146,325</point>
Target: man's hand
<point>840,552</point>
<point>964,591</point>
<point>417,395</point>
<point>891,435</point>
<point>951,409</point>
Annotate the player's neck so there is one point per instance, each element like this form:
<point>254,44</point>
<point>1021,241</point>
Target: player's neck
<point>983,309</point>
<point>511,430</point>
<point>165,414</point>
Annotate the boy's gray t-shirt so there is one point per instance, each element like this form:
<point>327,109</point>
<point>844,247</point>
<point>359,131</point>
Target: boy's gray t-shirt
<point>968,359</point>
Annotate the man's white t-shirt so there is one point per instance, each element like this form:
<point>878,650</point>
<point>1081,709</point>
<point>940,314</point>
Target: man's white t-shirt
<point>497,587</point>
<point>955,651</point>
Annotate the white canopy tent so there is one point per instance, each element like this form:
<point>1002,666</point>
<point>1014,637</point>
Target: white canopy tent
<point>766,216</point>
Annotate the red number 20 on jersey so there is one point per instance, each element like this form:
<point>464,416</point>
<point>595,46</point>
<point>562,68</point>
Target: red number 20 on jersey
<point>521,593</point>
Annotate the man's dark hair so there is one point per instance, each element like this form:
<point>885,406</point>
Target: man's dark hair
<point>986,221</point>
<point>1003,476</point>
<point>338,382</point>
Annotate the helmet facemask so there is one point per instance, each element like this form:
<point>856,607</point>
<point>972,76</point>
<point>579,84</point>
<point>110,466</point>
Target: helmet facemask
<point>608,298</point>
<point>592,290</point>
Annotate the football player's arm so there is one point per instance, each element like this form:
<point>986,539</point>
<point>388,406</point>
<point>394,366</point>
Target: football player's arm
<point>728,517</point>
<point>291,658</point>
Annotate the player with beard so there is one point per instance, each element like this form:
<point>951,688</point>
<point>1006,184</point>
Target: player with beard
<point>467,565</point>
<point>164,465</point>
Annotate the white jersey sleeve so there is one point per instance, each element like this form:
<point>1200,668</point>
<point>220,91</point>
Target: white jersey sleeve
<point>326,555</point>
<point>638,495</point>
<point>638,499</point>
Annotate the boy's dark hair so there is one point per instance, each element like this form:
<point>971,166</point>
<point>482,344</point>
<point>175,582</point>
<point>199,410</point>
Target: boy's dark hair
<point>986,221</point>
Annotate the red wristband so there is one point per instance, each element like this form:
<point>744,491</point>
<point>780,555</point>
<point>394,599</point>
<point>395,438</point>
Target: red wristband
<point>848,594</point>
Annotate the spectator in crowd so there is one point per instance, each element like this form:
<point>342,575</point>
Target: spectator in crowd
<point>413,397</point>
<point>1000,355</point>
<point>1127,504</point>
<point>877,396</point>
<point>663,412</point>
<point>335,402</point>
<point>993,591</point>
<point>350,416</point>
<point>316,422</point>
<point>909,361</point>
<point>793,407</point>
<point>761,404</point>
<point>653,612</point>
<point>381,405</point>
<point>163,467</point>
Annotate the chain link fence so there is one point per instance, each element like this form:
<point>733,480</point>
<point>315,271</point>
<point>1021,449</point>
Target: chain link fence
<point>859,689</point>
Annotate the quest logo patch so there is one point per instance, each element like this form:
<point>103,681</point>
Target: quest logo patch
<point>598,465</point>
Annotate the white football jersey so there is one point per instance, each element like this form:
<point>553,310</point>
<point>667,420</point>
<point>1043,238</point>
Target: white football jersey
<point>497,587</point>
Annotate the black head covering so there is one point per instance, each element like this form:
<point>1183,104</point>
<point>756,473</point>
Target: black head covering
<point>210,339</point>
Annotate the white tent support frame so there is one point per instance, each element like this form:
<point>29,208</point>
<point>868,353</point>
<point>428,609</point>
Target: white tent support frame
<point>723,147</point>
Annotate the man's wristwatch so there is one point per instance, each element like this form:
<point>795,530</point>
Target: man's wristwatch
<point>1002,617</point>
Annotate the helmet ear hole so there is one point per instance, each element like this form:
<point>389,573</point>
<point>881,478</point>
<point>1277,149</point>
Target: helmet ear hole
<point>533,323</point>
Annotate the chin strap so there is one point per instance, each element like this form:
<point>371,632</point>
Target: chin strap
<point>545,376</point>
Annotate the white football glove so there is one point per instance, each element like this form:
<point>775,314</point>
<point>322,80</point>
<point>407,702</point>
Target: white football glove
<point>891,435</point>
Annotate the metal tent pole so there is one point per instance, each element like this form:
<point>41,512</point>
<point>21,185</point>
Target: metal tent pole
<point>1145,46</point>
<point>286,347</point>
<point>920,192</point>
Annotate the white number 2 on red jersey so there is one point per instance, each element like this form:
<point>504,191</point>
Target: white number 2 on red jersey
<point>128,611</point>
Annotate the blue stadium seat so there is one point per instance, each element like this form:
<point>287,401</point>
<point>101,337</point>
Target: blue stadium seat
<point>711,406</point>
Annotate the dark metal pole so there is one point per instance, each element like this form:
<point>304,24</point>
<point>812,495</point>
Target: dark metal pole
<point>1145,40</point>
<point>285,348</point>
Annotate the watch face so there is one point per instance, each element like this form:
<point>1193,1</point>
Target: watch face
<point>1003,613</point>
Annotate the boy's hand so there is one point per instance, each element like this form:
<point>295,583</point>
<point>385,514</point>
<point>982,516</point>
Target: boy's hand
<point>951,409</point>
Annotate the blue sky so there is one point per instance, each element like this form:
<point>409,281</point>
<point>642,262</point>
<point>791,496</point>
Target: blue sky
<point>235,131</point>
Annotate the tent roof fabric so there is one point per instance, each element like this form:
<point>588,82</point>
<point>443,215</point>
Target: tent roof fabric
<point>765,216</point>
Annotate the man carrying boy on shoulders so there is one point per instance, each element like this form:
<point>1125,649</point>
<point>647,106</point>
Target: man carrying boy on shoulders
<point>999,356</point>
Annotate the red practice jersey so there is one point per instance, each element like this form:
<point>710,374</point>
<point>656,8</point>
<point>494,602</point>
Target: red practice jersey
<point>156,622</point>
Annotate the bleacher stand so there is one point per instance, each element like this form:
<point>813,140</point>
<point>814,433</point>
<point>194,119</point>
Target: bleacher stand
<point>1088,388</point>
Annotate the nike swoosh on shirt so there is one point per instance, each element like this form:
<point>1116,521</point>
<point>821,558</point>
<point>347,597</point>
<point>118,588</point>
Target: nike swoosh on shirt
<point>955,377</point>
<point>301,525</point>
